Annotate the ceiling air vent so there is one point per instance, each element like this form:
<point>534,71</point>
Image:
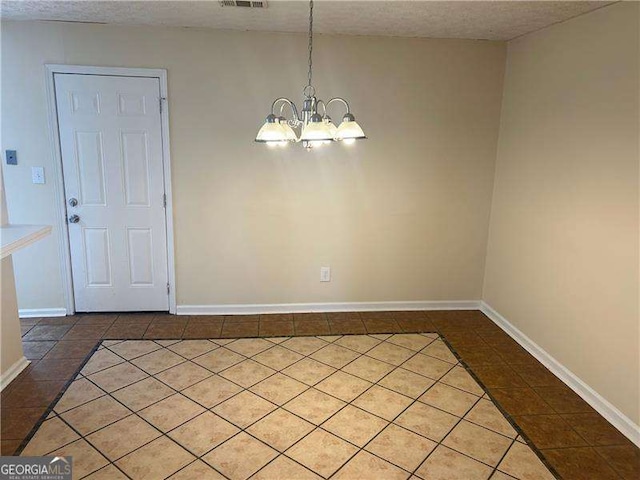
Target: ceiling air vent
<point>244,3</point>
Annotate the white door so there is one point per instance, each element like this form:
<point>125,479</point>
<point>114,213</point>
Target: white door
<point>111,142</point>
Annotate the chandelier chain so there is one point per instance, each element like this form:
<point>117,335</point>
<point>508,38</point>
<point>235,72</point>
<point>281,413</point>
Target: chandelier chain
<point>310,41</point>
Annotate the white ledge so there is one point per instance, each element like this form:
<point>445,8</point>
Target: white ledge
<point>15,237</point>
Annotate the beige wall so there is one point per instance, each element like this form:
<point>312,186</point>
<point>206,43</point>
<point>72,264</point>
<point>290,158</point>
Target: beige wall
<point>562,261</point>
<point>401,216</point>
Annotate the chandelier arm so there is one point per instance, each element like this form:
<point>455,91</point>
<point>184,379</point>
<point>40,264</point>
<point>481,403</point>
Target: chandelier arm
<point>286,101</point>
<point>324,107</point>
<point>339,99</point>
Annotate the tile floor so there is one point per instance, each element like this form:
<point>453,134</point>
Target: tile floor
<point>574,440</point>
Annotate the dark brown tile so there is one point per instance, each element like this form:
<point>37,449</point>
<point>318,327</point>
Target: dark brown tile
<point>36,350</point>
<point>450,326</point>
<point>381,325</point>
<point>515,355</point>
<point>46,332</point>
<point>29,321</point>
<point>521,401</point>
<point>85,332</point>
<point>24,329</point>
<point>135,318</point>
<point>479,354</point>
<point>160,330</point>
<point>211,329</point>
<point>206,318</point>
<point>312,328</point>
<point>241,318</point>
<point>301,317</point>
<point>70,320</point>
<point>164,317</point>
<point>624,459</point>
<point>416,325</point>
<point>8,447</point>
<point>536,375</point>
<point>497,339</point>
<point>378,316</point>
<point>33,394</point>
<point>346,326</point>
<point>564,400</point>
<point>580,464</point>
<point>549,431</point>
<point>464,338</point>
<point>276,329</point>
<point>498,376</point>
<point>332,316</point>
<point>18,422</point>
<point>127,331</point>
<point>56,369</point>
<point>409,315</point>
<point>71,349</point>
<point>97,319</point>
<point>595,429</point>
<point>240,329</point>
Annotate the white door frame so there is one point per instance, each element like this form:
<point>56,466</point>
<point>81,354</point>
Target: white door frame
<point>61,208</point>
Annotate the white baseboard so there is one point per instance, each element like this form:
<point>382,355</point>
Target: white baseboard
<point>588,394</point>
<point>227,309</point>
<point>41,312</point>
<point>13,371</point>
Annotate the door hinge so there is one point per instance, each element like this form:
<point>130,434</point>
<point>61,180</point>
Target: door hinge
<point>168,288</point>
<point>161,99</point>
<point>164,200</point>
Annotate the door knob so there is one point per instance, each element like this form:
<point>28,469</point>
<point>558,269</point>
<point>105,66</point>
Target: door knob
<point>74,219</point>
<point>73,202</point>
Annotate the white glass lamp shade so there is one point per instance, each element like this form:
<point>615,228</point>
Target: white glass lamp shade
<point>349,129</point>
<point>289,133</point>
<point>316,130</point>
<point>271,131</point>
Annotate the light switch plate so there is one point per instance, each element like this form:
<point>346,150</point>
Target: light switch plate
<point>325,274</point>
<point>37,175</point>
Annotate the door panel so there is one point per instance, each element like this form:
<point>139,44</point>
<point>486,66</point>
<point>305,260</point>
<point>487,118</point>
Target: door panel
<point>111,143</point>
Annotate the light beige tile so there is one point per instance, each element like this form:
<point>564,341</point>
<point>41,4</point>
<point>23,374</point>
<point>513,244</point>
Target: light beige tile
<point>197,470</point>
<point>279,388</point>
<point>86,459</point>
<point>157,361</point>
<point>406,382</point>
<point>247,373</point>
<point>123,437</point>
<point>166,343</point>
<point>366,466</point>
<point>280,429</point>
<point>79,392</point>
<point>368,368</point>
<point>277,357</point>
<point>355,425</point>
<point>212,391</point>
<point>249,346</point>
<point>183,375</point>
<point>329,338</point>
<point>309,371</point>
<point>439,349</point>
<point>222,341</point>
<point>203,433</point>
<point>486,414</point>
<point>382,402</point>
<point>284,468</point>
<point>445,464</point>
<point>322,452</point>
<point>100,360</point>
<point>96,414</point>
<point>142,394</point>
<point>277,340</point>
<point>240,457</point>
<point>335,355</point>
<point>390,353</point>
<point>426,420</point>
<point>117,377</point>
<point>501,476</point>
<point>110,472</point>
<point>412,341</point>
<point>459,378</point>
<point>167,414</point>
<point>402,447</point>
<point>218,359</point>
<point>519,439</point>
<point>314,406</point>
<point>244,409</point>
<point>158,459</point>
<point>343,385</point>
<point>381,336</point>
<point>358,343</point>
<point>522,463</point>
<point>304,345</point>
<point>477,442</point>
<point>449,399</point>
<point>130,349</point>
<point>192,348</point>
<point>52,435</point>
<point>428,366</point>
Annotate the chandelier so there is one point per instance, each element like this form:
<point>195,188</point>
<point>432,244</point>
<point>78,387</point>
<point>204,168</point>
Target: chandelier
<point>315,127</point>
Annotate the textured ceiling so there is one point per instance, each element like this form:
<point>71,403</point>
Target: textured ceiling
<point>476,19</point>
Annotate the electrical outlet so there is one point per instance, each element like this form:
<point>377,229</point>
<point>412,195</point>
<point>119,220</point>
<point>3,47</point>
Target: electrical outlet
<point>325,274</point>
<point>11,157</point>
<point>37,175</point>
